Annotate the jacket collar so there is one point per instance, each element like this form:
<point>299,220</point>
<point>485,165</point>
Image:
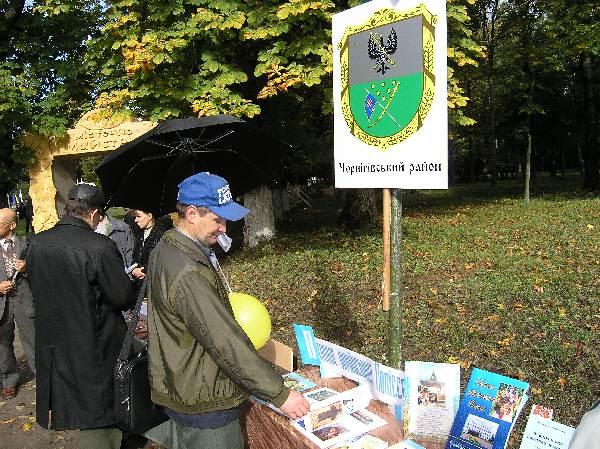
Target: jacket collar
<point>73,221</point>
<point>186,245</point>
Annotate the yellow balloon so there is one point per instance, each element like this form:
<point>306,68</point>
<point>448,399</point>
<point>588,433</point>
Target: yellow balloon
<point>252,316</point>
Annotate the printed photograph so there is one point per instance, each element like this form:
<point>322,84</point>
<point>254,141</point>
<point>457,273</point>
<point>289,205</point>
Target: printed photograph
<point>363,417</point>
<point>431,392</point>
<point>320,395</point>
<point>480,431</point>
<point>296,382</point>
<point>506,403</point>
<point>325,415</point>
<point>329,432</point>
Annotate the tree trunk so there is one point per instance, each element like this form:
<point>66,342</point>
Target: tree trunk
<point>528,162</point>
<point>591,156</point>
<point>259,224</point>
<point>491,44</point>
<point>359,209</point>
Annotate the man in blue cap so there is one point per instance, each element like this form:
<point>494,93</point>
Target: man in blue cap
<point>202,366</point>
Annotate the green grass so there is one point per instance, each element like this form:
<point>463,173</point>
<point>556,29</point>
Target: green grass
<point>489,282</point>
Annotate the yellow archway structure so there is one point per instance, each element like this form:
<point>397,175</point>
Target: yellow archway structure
<point>54,171</point>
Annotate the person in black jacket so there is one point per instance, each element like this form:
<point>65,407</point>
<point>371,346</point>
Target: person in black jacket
<point>79,288</point>
<point>151,231</point>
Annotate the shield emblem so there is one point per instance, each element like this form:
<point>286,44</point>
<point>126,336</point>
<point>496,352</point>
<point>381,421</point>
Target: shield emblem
<point>388,80</point>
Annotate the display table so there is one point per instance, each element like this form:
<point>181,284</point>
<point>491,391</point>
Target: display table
<point>265,429</point>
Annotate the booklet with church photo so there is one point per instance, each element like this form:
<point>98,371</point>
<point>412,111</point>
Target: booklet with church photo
<point>488,411</point>
<point>433,394</point>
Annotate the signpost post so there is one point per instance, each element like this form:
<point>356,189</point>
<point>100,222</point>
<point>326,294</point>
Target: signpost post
<point>390,116</point>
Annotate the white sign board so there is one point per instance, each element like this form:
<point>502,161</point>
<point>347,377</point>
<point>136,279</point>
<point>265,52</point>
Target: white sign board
<point>390,95</point>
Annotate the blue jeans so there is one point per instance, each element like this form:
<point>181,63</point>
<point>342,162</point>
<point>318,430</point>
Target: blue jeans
<point>104,438</point>
<point>174,436</point>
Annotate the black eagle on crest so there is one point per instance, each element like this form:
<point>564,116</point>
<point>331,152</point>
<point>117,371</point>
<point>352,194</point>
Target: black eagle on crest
<point>380,52</point>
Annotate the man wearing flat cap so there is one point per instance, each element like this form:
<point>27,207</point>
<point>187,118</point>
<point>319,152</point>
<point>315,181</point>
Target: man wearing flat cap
<point>79,288</point>
<point>202,366</point>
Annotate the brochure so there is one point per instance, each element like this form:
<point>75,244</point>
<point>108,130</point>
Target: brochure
<point>433,396</point>
<point>487,412</point>
<point>543,433</point>
<point>336,418</point>
<point>295,381</point>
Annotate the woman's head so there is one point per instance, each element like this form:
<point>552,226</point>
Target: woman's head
<point>144,220</point>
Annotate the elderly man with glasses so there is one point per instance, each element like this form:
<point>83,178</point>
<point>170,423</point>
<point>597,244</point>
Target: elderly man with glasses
<point>16,304</point>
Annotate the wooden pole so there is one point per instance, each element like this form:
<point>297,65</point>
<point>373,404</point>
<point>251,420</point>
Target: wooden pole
<point>396,290</point>
<point>387,213</point>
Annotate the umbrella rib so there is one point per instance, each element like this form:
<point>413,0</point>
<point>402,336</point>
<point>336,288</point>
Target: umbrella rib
<point>165,145</point>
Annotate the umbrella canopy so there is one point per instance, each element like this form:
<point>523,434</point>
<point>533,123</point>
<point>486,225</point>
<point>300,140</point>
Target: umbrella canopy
<point>144,173</point>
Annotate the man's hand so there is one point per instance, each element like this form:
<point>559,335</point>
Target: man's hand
<point>138,273</point>
<point>20,265</point>
<point>6,286</point>
<point>295,406</point>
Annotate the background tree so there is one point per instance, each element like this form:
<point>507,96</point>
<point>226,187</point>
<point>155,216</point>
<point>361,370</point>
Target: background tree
<point>43,87</point>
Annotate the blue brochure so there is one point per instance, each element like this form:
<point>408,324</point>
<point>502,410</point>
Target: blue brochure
<point>488,410</point>
<point>307,344</point>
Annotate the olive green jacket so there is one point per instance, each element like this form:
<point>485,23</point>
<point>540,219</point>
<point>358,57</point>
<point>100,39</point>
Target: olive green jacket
<point>200,359</point>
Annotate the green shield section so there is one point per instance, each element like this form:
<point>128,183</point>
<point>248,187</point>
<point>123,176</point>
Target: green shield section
<point>397,102</point>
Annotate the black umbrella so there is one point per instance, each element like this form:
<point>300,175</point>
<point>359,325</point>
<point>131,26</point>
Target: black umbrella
<point>144,173</point>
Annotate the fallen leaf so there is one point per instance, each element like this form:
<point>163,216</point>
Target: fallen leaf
<point>466,364</point>
<point>26,427</point>
<point>8,421</point>
<point>536,391</point>
<point>562,312</point>
<point>562,382</point>
<point>492,318</point>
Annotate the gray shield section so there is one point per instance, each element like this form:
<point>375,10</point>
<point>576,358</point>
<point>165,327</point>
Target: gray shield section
<point>408,57</point>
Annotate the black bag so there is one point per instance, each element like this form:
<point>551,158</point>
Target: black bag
<point>135,411</point>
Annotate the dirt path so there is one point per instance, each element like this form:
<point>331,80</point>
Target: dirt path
<point>18,429</point>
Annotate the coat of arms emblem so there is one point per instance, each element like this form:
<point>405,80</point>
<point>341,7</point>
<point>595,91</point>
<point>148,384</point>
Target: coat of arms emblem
<point>387,75</point>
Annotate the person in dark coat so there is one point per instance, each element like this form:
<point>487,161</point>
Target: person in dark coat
<point>79,288</point>
<point>151,231</point>
<point>28,214</point>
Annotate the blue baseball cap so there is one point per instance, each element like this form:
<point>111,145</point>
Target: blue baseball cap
<point>212,192</point>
